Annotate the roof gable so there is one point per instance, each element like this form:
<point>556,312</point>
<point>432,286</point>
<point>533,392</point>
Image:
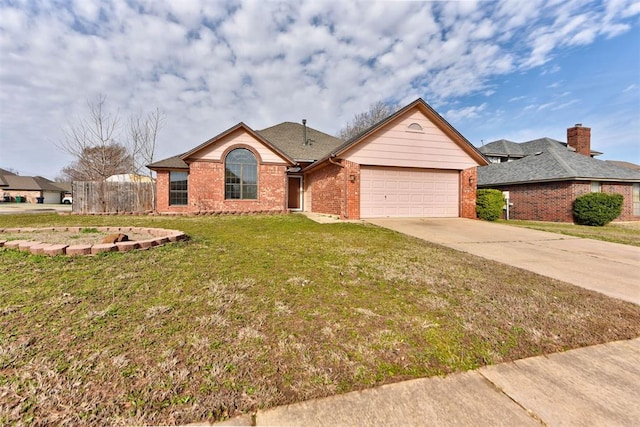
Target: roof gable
<point>433,117</point>
<point>207,150</point>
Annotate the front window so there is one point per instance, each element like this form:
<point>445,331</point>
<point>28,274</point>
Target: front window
<point>241,175</point>
<point>595,186</point>
<point>178,194</point>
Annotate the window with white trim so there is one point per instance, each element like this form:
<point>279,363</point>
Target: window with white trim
<point>241,175</point>
<point>178,188</point>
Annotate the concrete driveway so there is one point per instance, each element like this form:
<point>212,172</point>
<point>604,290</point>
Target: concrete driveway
<point>610,268</point>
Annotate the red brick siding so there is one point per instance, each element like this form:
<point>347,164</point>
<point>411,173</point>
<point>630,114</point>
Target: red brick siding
<point>326,187</point>
<point>351,173</point>
<point>553,201</point>
<point>626,189</point>
<point>206,190</point>
<point>162,194</point>
<point>468,187</point>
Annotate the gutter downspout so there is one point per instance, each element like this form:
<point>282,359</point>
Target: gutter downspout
<point>344,205</point>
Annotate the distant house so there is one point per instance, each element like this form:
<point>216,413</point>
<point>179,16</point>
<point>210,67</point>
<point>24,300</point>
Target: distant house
<point>28,188</point>
<point>411,164</point>
<point>545,176</point>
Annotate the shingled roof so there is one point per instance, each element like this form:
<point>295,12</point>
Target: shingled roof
<point>550,160</point>
<point>174,162</point>
<point>289,137</point>
<point>29,183</point>
<point>517,150</point>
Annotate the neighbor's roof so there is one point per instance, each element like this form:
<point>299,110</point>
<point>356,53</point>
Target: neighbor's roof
<point>624,164</point>
<point>3,183</point>
<point>514,150</point>
<point>64,186</point>
<point>5,172</point>
<point>289,138</point>
<point>553,163</point>
<point>29,183</point>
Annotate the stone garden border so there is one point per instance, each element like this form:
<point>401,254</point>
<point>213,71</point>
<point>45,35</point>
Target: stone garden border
<point>161,237</point>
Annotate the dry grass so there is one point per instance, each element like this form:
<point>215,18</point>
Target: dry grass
<point>627,233</point>
<point>255,312</point>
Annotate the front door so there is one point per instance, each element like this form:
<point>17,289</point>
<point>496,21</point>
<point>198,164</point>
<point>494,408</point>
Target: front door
<point>294,200</point>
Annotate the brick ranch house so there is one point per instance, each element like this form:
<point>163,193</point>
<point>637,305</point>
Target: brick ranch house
<point>411,164</point>
<point>545,176</point>
<point>29,188</point>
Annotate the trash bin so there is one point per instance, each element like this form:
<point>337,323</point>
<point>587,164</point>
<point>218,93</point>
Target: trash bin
<point>40,200</point>
<point>7,199</point>
<point>18,199</point>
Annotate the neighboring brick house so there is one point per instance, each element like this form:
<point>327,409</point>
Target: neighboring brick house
<point>413,163</point>
<point>545,176</point>
<point>28,188</point>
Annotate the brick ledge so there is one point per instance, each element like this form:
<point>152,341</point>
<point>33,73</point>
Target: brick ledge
<point>161,237</point>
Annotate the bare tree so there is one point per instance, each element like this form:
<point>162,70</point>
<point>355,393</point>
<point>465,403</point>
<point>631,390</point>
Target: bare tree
<point>102,146</point>
<point>97,163</point>
<point>377,111</point>
<point>93,141</point>
<point>143,131</point>
<point>102,149</point>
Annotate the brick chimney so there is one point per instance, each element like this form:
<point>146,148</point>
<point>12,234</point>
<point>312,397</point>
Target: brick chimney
<point>579,138</point>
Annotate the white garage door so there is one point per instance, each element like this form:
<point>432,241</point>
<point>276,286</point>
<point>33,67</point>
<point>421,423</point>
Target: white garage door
<point>401,192</point>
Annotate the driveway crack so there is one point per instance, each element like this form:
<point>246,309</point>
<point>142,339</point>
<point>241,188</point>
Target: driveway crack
<point>530,412</point>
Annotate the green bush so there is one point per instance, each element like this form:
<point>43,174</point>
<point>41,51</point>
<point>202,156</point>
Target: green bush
<point>489,204</point>
<point>597,208</point>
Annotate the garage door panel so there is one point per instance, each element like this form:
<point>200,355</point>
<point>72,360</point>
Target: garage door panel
<point>395,192</point>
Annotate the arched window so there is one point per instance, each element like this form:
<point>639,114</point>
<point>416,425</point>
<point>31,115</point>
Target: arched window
<point>241,175</point>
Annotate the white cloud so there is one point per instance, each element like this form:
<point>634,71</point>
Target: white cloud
<point>209,65</point>
<point>466,112</point>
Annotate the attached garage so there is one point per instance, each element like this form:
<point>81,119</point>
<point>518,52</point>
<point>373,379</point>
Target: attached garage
<point>411,164</point>
<point>408,192</point>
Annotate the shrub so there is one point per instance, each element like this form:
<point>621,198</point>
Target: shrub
<point>489,204</point>
<point>597,208</point>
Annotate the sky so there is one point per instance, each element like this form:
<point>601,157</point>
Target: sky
<point>517,70</point>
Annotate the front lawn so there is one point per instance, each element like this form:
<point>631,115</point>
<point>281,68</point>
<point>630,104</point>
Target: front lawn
<point>259,311</point>
<point>627,233</point>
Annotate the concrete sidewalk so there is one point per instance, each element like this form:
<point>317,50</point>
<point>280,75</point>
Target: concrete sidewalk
<point>595,385</point>
<point>608,268</point>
